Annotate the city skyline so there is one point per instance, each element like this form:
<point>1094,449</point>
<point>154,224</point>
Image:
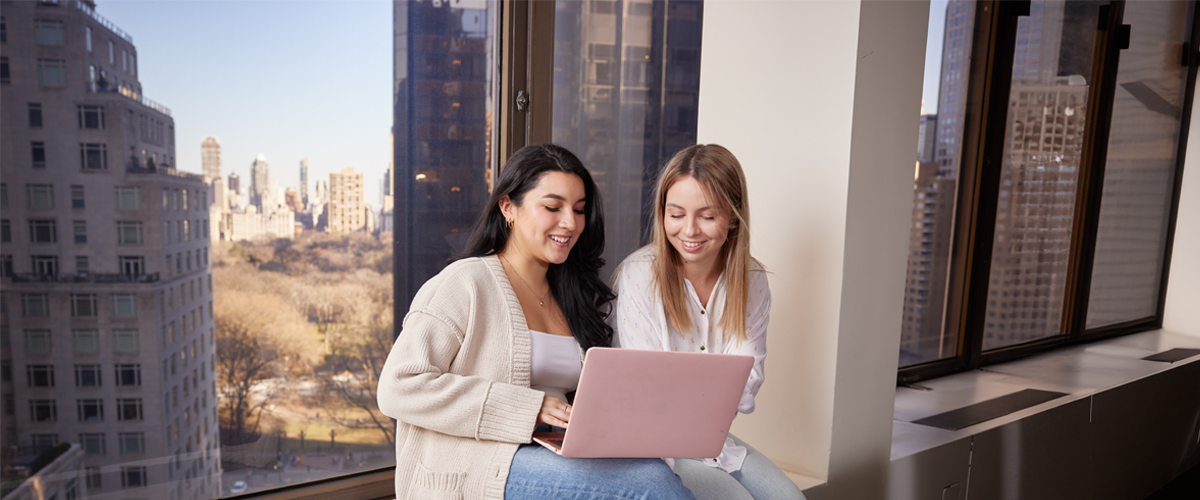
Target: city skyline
<point>273,100</point>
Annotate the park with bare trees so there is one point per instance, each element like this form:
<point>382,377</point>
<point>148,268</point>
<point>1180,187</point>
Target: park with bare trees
<point>303,327</point>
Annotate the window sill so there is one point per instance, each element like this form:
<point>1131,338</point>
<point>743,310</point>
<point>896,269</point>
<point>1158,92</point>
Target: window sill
<point>1080,371</point>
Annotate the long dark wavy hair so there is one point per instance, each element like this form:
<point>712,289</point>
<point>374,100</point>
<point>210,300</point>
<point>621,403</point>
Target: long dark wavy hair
<point>583,297</point>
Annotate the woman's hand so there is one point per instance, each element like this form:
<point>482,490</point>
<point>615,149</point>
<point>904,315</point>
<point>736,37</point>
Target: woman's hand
<point>554,412</point>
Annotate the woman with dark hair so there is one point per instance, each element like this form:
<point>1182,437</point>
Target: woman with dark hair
<point>492,344</point>
<point>696,288</point>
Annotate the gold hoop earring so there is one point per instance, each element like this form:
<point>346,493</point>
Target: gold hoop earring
<point>508,222</point>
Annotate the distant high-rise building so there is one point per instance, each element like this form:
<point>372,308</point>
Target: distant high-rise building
<point>112,235</point>
<point>927,139</point>
<point>322,191</point>
<point>346,207</point>
<point>260,182</point>
<point>303,184</point>
<point>210,158</point>
<point>235,183</point>
<point>292,200</point>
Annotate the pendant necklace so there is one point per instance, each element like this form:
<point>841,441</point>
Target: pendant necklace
<point>542,299</point>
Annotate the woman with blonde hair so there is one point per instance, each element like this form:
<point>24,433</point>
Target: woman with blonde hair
<point>696,288</point>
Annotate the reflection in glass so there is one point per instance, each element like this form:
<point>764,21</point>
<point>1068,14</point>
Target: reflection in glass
<point>923,336</point>
<point>1047,109</point>
<point>626,87</point>
<point>1140,169</point>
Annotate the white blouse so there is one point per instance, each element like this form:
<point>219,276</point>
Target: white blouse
<point>640,322</point>
<point>554,364</point>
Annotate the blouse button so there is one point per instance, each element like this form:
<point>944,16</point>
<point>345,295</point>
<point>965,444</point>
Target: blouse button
<point>702,311</point>
<point>701,348</point>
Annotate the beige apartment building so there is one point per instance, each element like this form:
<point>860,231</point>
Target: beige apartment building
<point>347,212</point>
<point>107,290</point>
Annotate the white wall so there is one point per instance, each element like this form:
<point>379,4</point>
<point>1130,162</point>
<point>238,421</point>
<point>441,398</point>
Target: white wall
<point>1182,311</point>
<point>819,100</point>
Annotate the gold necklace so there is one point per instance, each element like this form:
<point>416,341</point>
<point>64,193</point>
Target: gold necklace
<point>542,299</point>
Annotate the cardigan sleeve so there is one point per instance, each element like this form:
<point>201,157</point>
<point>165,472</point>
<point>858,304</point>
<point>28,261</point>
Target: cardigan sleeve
<point>416,387</point>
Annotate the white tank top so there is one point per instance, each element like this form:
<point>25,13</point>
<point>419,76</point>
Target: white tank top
<point>555,364</point>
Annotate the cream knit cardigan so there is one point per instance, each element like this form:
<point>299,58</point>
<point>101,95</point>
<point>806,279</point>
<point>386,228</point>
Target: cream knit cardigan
<point>457,382</point>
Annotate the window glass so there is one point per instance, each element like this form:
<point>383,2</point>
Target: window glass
<point>37,341</point>
<point>35,304</point>
<point>52,72</point>
<point>80,234</point>
<point>625,101</point>
<point>77,200</point>
<point>124,305</point>
<point>85,341</point>
<point>35,115</point>
<point>40,196</point>
<point>1047,111</point>
<point>93,156</point>
<point>37,153</point>
<point>48,32</point>
<point>1139,173</point>
<point>126,341</point>
<point>87,376</point>
<point>83,304</point>
<point>129,198</point>
<point>42,231</point>
<point>93,443</point>
<point>129,232</point>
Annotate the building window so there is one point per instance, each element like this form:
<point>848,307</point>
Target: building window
<point>133,477</point>
<point>132,266</point>
<point>38,342</point>
<point>35,304</point>
<point>85,342</point>
<point>126,341</point>
<point>77,197</point>
<point>83,304</point>
<point>91,117</point>
<point>5,231</point>
<point>37,151</point>
<point>45,265</point>
<point>129,198</point>
<point>129,409</point>
<point>87,375</point>
<point>80,231</point>
<point>48,32</point>
<point>93,156</point>
<point>35,115</point>
<point>87,37</point>
<point>124,305</point>
<point>132,442</point>
<point>130,374</point>
<point>93,443</point>
<point>81,264</point>
<point>39,375</point>
<point>4,77</point>
<point>43,410</point>
<point>94,481</point>
<point>42,231</point>
<point>43,442</point>
<point>39,196</point>
<point>90,410</point>
<point>111,52</point>
<point>129,232</point>
<point>52,72</point>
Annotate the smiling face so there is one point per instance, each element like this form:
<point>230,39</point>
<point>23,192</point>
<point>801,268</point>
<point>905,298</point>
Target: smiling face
<point>549,220</point>
<point>694,225</point>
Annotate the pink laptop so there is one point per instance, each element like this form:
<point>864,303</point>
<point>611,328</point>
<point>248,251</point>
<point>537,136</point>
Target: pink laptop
<point>652,404</point>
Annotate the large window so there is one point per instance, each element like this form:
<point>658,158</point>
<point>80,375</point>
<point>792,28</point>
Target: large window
<point>1042,209</point>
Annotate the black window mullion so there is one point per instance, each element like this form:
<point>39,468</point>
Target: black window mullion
<point>995,30</point>
<point>1091,176</point>
<point>988,166</point>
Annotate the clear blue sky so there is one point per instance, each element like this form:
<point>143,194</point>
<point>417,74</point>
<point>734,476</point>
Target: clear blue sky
<point>288,79</point>
<point>933,54</point>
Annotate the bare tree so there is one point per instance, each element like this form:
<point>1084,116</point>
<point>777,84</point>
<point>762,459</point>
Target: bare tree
<point>258,338</point>
<point>362,357</point>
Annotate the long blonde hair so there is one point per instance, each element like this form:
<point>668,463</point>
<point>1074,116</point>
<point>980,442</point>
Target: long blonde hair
<point>721,177</point>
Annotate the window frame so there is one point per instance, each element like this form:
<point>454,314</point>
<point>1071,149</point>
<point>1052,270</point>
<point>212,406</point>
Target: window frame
<point>983,144</point>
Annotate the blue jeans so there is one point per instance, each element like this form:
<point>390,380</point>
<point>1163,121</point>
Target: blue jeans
<point>538,473</point>
<point>758,479</point>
